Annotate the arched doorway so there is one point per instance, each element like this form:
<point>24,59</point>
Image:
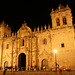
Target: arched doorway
<point>5,64</point>
<point>22,61</point>
<point>45,63</point>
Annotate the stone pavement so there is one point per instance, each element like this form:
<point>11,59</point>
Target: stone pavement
<point>38,73</point>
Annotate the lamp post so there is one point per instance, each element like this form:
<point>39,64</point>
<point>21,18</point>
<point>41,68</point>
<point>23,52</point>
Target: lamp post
<point>55,51</point>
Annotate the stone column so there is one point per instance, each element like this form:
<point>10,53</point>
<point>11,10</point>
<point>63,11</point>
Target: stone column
<point>16,58</point>
<point>39,64</point>
<point>2,55</point>
<point>27,61</point>
<point>12,54</point>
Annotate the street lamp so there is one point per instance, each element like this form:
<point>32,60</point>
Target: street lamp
<point>55,51</point>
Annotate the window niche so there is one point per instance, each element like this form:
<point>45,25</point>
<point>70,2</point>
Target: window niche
<point>44,41</point>
<point>58,21</point>
<point>62,45</point>
<point>7,46</point>
<point>5,35</point>
<point>22,42</point>
<point>64,21</point>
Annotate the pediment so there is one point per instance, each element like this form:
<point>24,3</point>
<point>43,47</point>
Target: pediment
<point>24,30</point>
<point>44,52</point>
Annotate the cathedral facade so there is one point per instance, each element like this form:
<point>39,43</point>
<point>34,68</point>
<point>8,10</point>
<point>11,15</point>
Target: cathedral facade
<point>27,47</point>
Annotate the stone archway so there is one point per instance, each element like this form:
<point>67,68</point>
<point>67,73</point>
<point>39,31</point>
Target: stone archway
<point>45,63</point>
<point>5,64</point>
<point>22,61</point>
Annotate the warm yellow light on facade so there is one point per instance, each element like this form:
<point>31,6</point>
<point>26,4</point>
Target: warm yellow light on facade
<point>55,51</point>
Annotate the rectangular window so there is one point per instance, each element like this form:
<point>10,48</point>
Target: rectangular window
<point>45,41</point>
<point>7,47</point>
<point>22,42</point>
<point>62,45</point>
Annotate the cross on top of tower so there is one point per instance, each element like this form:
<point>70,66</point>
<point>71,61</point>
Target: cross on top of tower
<point>24,24</point>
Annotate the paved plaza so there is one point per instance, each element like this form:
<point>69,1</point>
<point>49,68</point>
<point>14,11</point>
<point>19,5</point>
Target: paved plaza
<point>38,73</point>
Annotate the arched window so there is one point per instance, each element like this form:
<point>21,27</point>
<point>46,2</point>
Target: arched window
<point>45,41</point>
<point>64,21</point>
<point>58,21</point>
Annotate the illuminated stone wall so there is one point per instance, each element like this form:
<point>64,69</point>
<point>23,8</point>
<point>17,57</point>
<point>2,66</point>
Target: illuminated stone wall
<point>63,36</point>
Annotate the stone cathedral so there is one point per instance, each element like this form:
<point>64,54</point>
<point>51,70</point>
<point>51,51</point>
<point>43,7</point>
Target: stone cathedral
<point>26,47</point>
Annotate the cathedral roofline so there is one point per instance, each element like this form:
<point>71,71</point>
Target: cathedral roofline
<point>60,9</point>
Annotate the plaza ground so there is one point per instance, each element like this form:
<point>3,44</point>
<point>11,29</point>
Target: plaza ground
<point>38,73</point>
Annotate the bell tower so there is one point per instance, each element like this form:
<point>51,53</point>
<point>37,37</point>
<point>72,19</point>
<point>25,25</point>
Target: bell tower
<point>61,17</point>
<point>5,30</point>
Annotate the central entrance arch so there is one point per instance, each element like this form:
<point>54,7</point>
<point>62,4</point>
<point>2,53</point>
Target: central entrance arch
<point>22,61</point>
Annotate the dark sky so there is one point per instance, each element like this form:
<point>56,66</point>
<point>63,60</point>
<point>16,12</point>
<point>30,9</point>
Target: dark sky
<point>34,12</point>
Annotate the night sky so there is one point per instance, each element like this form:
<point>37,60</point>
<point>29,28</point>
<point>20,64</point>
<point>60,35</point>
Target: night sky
<point>34,12</point>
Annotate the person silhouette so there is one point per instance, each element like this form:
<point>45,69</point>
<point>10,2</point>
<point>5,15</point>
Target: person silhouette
<point>4,72</point>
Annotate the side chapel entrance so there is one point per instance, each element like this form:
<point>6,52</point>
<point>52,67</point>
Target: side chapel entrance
<point>5,64</point>
<point>45,63</point>
<point>22,61</point>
